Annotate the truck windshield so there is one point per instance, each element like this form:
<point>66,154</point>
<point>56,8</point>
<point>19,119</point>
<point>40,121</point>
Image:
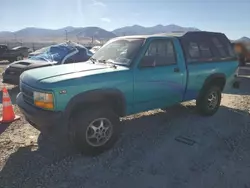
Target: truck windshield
<point>120,51</point>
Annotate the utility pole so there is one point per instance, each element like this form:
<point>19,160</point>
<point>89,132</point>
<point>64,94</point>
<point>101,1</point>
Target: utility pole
<point>66,35</point>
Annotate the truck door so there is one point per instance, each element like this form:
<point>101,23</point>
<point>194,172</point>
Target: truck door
<point>160,77</point>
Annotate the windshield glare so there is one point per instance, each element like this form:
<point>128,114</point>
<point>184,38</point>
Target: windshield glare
<point>120,51</point>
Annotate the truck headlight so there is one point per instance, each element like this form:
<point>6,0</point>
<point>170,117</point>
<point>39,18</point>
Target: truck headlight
<point>44,100</point>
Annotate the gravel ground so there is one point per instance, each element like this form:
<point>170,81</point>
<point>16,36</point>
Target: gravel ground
<point>150,153</point>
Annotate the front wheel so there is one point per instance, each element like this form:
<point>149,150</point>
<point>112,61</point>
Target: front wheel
<point>209,101</point>
<point>94,130</point>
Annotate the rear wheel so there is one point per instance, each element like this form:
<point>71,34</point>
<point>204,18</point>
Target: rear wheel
<point>94,130</point>
<point>209,101</point>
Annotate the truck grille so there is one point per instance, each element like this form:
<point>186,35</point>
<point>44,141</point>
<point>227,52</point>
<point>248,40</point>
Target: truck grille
<point>27,94</point>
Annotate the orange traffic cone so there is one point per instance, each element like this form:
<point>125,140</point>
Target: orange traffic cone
<point>8,112</point>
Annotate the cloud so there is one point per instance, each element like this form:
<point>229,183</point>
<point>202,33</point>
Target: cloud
<point>98,3</point>
<point>105,19</point>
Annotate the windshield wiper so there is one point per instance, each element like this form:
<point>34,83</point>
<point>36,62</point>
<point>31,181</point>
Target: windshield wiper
<point>102,61</point>
<point>93,60</point>
<point>107,62</point>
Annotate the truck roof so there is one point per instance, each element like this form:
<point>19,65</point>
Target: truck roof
<point>173,34</point>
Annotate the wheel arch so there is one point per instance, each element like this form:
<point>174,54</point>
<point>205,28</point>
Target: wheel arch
<point>110,96</point>
<point>218,79</point>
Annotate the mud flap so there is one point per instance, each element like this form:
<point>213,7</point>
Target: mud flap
<point>236,82</point>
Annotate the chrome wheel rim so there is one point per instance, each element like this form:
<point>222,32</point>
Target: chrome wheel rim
<point>212,100</point>
<point>99,132</point>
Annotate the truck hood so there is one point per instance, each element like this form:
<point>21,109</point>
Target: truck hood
<point>30,64</point>
<point>68,70</point>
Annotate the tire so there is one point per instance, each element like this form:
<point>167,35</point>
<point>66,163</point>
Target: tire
<point>205,107</point>
<point>80,130</point>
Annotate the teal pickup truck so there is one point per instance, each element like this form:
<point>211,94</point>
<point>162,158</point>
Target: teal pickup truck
<point>128,75</point>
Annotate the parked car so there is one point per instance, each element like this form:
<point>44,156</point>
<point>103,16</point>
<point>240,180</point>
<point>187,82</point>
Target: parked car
<point>88,47</point>
<point>64,53</point>
<point>84,101</point>
<point>39,51</point>
<point>14,54</point>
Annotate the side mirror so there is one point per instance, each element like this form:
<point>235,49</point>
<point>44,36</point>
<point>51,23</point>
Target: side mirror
<point>147,61</point>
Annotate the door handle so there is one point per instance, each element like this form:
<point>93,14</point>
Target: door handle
<point>176,69</point>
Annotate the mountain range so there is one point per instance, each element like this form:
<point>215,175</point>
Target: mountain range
<point>243,39</point>
<point>80,33</point>
<point>140,30</point>
<point>32,34</point>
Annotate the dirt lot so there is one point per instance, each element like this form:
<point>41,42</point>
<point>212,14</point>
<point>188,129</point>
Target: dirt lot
<point>150,153</point>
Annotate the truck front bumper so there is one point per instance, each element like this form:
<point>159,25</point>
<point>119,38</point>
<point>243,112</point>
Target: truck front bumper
<point>43,120</point>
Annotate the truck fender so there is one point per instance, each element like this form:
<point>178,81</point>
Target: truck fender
<point>97,96</point>
<point>213,78</point>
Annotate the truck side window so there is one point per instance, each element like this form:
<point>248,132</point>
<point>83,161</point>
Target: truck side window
<point>205,50</point>
<point>229,48</point>
<point>198,51</point>
<point>220,47</point>
<point>193,50</point>
<point>162,52</point>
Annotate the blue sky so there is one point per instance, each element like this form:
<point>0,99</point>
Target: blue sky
<point>229,16</point>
